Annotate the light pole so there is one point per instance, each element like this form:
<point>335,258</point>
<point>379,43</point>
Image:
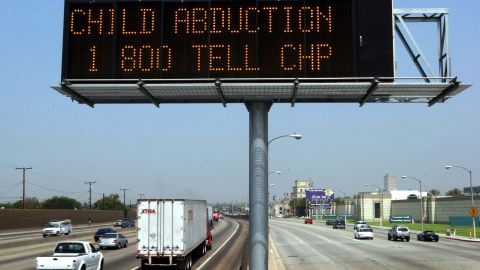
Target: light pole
<point>471,193</point>
<point>294,135</point>
<point>421,196</point>
<point>381,202</point>
<point>345,202</point>
<point>272,204</point>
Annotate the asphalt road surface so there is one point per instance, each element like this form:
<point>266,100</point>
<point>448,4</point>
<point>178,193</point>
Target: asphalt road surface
<point>227,250</point>
<point>306,246</point>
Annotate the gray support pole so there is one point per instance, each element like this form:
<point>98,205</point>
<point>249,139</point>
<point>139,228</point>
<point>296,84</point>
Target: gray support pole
<point>258,185</point>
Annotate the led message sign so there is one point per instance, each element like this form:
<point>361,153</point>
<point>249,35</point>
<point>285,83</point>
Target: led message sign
<point>210,39</point>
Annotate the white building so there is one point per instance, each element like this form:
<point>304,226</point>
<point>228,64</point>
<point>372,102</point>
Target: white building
<point>300,188</point>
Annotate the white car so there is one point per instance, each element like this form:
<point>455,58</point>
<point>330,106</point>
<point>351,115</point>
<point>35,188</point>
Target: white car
<point>363,232</point>
<point>58,228</point>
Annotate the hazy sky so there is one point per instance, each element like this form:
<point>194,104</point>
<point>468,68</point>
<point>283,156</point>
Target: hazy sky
<point>201,151</point>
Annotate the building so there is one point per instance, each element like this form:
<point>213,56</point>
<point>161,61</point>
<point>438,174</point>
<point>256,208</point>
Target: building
<point>300,188</point>
<point>377,205</point>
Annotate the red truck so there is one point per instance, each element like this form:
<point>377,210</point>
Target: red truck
<point>216,215</point>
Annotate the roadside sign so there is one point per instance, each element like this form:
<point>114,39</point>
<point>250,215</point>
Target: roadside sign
<point>473,211</point>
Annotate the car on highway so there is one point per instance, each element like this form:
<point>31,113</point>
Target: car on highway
<point>117,223</point>
<point>57,227</point>
<point>363,233</point>
<point>113,240</point>
<point>399,232</point>
<point>100,232</point>
<point>427,236</point>
<point>127,223</point>
<point>339,224</point>
<point>330,222</point>
<point>72,255</point>
<point>308,221</point>
<point>359,223</point>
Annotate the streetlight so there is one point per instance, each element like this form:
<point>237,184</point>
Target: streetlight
<point>421,196</point>
<point>272,205</point>
<point>381,202</point>
<point>294,135</point>
<point>471,193</point>
<point>345,202</point>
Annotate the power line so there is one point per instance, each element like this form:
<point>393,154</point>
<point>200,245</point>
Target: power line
<point>23,169</point>
<point>90,198</point>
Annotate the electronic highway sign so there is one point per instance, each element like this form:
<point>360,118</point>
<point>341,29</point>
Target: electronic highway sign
<point>134,39</point>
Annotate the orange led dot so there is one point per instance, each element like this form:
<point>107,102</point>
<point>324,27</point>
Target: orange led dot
<point>327,17</point>
<point>302,20</point>
<point>112,21</point>
<point>98,21</point>
<point>72,21</point>
<point>145,24</point>
<point>214,15</point>
<point>124,27</point>
<point>199,58</point>
<point>270,11</point>
<point>93,67</point>
<point>240,19</point>
<point>184,21</point>
<point>130,58</point>
<point>199,21</point>
<point>288,10</point>
<point>149,49</point>
<point>169,58</point>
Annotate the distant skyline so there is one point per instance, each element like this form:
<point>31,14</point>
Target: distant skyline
<point>201,150</point>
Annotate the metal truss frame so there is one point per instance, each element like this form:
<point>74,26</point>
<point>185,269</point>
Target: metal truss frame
<point>425,15</point>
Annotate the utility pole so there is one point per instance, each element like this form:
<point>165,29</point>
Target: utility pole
<point>124,206</point>
<point>90,197</point>
<point>23,168</point>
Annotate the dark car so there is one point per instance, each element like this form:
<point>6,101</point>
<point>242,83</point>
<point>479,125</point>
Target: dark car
<point>127,223</point>
<point>308,221</point>
<point>100,232</point>
<point>339,224</point>
<point>427,236</point>
<point>330,222</point>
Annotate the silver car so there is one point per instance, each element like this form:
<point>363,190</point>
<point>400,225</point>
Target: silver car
<point>113,240</point>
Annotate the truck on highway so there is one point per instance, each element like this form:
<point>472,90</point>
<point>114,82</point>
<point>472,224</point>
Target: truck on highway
<point>57,227</point>
<point>216,215</point>
<point>75,255</point>
<point>172,231</point>
<point>399,232</point>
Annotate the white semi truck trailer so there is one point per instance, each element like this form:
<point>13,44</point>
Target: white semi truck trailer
<point>171,231</point>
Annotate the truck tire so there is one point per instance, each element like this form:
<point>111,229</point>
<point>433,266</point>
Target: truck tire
<point>389,237</point>
<point>143,264</point>
<point>101,265</point>
<point>67,233</point>
<point>186,264</point>
<point>408,239</point>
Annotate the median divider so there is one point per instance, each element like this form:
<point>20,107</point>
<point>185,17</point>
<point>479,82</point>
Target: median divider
<point>274,260</point>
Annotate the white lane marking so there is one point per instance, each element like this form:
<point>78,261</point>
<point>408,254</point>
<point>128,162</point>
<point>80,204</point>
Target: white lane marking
<point>301,242</point>
<point>200,267</point>
<point>213,255</point>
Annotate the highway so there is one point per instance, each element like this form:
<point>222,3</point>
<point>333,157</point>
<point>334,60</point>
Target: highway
<point>229,238</point>
<point>306,246</point>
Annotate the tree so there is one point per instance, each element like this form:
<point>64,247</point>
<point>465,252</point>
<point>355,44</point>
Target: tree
<point>61,202</point>
<point>298,205</point>
<point>455,192</point>
<point>110,202</point>
<point>434,192</point>
<point>6,205</point>
<point>30,203</point>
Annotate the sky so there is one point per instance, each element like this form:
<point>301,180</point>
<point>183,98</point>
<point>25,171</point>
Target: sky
<point>200,151</point>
